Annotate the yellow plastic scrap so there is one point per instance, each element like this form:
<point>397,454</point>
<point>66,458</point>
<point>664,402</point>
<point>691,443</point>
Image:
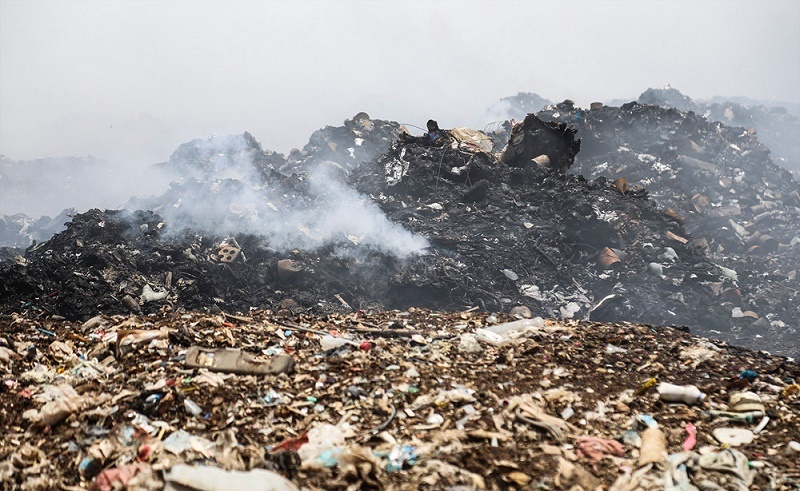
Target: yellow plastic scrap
<point>646,386</point>
<point>792,389</point>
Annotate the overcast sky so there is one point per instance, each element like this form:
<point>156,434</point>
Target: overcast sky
<point>133,80</point>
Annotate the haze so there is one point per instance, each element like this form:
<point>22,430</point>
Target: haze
<point>130,81</point>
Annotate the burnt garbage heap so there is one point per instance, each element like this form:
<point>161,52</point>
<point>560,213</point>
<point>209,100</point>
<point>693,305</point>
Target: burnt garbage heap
<point>719,178</point>
<point>776,127</point>
<point>720,182</point>
<point>503,235</point>
<point>527,234</point>
<point>358,140</point>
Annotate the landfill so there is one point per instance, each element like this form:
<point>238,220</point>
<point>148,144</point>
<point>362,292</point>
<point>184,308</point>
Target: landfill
<point>413,399</point>
<point>458,310</point>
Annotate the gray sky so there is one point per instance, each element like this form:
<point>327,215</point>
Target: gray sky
<point>130,81</point>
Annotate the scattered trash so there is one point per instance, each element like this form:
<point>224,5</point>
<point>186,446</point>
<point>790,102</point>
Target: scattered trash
<point>180,441</point>
<point>596,448</point>
<point>325,444</point>
<point>381,416</point>
<point>654,447</point>
<point>691,439</point>
<point>228,254</point>
<point>192,407</point>
<point>206,478</point>
<point>733,436</point>
<point>745,402</point>
<point>400,457</point>
<point>749,375</point>
<point>61,401</point>
<point>237,361</point>
<point>331,342</point>
<point>763,424</point>
<point>114,478</point>
<point>502,334</point>
<point>688,394</point>
<point>611,349</point>
<point>150,295</point>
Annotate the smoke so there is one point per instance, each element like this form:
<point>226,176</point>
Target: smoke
<point>515,107</point>
<point>234,190</point>
<point>343,212</point>
<point>49,185</point>
<point>222,185</point>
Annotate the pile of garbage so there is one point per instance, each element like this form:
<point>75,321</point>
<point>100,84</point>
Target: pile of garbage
<point>776,126</point>
<point>358,140</point>
<point>458,310</point>
<point>402,400</point>
<point>719,181</point>
<point>437,221</point>
<point>19,230</point>
<point>221,156</point>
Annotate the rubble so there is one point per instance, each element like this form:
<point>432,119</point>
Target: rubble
<point>551,409</point>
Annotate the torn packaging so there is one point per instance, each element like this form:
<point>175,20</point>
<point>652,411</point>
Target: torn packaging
<point>237,361</point>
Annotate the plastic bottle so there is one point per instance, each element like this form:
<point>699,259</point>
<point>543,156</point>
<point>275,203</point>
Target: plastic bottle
<point>688,394</point>
<point>192,407</point>
<point>490,337</point>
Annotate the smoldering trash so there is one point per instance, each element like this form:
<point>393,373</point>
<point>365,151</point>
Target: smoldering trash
<point>585,298</point>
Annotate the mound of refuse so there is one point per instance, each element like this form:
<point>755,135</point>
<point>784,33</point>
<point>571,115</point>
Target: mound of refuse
<point>457,310</point>
<point>396,401</point>
<point>777,127</point>
<point>437,221</point>
<point>717,180</point>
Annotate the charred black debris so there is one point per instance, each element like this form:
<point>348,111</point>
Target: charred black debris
<point>678,221</point>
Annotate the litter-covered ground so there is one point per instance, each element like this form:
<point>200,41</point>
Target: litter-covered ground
<point>339,319</point>
<point>401,400</point>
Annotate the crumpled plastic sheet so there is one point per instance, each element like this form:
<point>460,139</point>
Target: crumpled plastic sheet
<point>725,470</point>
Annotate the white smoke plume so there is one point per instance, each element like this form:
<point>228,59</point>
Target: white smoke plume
<point>234,197</point>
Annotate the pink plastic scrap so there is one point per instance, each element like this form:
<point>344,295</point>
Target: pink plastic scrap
<point>691,440</point>
<point>597,448</point>
<point>114,478</point>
